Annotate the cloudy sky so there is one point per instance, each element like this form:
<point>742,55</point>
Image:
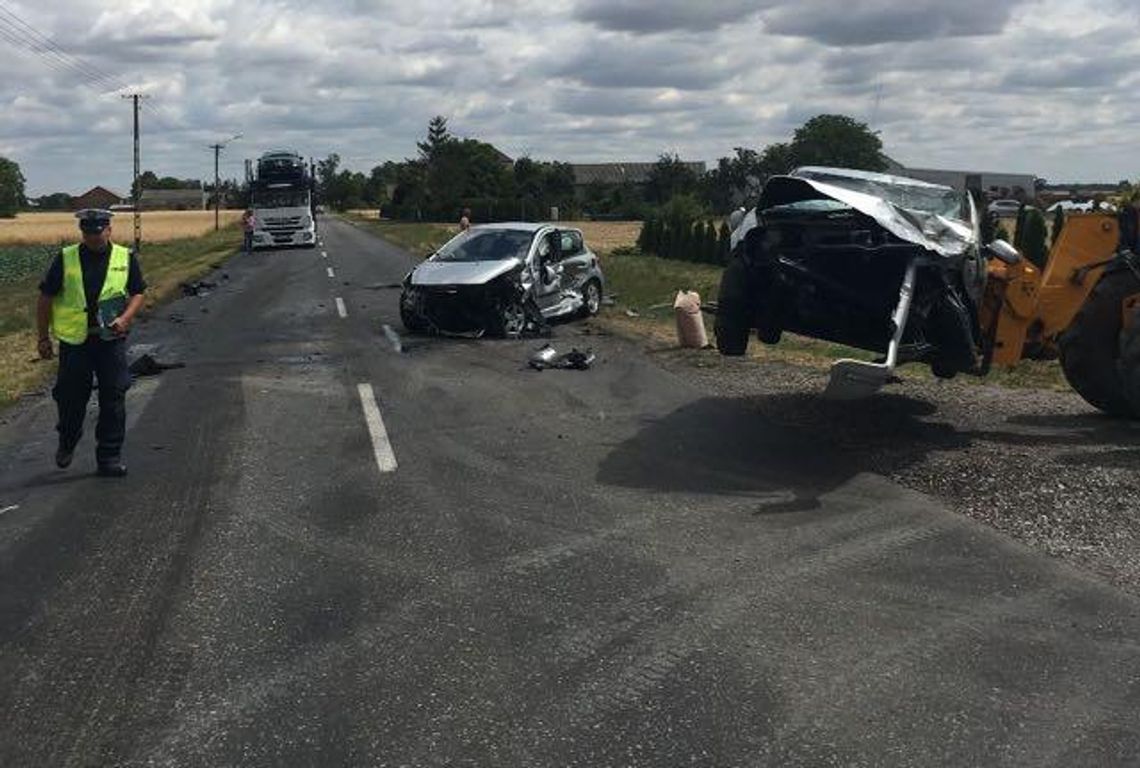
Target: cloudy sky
<point>1039,86</point>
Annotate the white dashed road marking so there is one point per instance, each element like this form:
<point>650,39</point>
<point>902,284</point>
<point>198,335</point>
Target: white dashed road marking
<point>331,272</point>
<point>340,308</point>
<point>324,254</point>
<point>381,448</point>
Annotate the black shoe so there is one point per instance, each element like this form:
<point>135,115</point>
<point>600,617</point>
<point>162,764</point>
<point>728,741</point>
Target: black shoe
<point>113,469</point>
<point>64,456</point>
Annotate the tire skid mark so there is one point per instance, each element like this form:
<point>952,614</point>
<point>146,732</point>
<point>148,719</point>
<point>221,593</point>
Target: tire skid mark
<point>660,653</point>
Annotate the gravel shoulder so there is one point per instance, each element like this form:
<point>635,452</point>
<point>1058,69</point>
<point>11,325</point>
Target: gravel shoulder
<point>1039,465</point>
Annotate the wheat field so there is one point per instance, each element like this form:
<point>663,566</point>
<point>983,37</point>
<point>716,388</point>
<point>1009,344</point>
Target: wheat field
<point>157,226</point>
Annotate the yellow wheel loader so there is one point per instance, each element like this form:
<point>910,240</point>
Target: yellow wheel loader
<point>1082,307</point>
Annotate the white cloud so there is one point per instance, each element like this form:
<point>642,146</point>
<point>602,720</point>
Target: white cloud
<point>1044,86</point>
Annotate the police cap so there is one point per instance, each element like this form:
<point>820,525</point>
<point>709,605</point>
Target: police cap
<point>94,220</point>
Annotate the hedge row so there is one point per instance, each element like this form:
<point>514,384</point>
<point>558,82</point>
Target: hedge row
<point>698,241</point>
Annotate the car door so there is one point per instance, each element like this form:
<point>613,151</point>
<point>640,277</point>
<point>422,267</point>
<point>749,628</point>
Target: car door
<point>545,269</point>
<point>576,260</point>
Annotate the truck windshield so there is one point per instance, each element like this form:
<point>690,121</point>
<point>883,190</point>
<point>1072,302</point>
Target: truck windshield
<point>281,199</point>
<point>487,245</point>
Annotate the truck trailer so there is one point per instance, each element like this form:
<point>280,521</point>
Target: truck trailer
<point>282,202</point>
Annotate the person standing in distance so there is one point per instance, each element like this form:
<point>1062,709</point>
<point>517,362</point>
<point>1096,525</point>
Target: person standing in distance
<point>465,220</point>
<point>88,298</point>
<point>248,224</point>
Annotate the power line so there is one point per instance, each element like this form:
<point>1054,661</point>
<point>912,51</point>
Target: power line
<point>22,34</point>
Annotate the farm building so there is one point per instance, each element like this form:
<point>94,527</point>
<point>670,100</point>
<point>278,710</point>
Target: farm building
<point>96,197</point>
<point>172,200</point>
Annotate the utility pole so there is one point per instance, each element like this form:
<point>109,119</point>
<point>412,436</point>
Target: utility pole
<point>136,193</point>
<point>217,183</point>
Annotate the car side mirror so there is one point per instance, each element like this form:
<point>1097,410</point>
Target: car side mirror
<point>1002,251</point>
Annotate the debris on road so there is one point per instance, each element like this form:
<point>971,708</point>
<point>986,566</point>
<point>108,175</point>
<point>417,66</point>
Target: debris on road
<point>632,313</point>
<point>393,338</point>
<point>200,288</point>
<point>148,366</point>
<point>384,286</point>
<point>547,356</point>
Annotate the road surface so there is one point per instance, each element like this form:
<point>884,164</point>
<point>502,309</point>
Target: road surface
<point>330,552</point>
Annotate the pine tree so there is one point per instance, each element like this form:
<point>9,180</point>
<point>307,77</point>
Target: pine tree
<point>1033,241</point>
<point>1019,229</point>
<point>724,243</point>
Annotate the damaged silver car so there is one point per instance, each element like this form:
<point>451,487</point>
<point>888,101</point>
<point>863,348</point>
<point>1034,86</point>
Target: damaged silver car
<point>882,263</point>
<point>502,279</point>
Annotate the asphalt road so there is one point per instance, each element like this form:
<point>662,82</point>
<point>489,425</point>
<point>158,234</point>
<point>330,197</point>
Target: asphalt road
<point>332,553</point>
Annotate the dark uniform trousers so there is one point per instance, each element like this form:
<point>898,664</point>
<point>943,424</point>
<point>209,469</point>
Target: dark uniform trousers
<point>107,362</point>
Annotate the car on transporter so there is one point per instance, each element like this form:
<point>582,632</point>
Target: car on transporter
<point>501,279</point>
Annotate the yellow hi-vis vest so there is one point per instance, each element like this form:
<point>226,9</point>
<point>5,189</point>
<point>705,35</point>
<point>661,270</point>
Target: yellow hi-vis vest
<point>69,308</point>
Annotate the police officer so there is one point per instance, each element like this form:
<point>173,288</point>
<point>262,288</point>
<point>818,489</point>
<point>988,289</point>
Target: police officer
<point>88,298</point>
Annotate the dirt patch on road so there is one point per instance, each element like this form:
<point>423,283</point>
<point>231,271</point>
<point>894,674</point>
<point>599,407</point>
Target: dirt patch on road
<point>1039,465</point>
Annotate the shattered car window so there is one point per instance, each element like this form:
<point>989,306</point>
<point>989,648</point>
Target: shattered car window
<point>940,201</point>
<point>487,245</point>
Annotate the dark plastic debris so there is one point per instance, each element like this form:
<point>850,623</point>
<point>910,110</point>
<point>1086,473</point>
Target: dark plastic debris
<point>148,366</point>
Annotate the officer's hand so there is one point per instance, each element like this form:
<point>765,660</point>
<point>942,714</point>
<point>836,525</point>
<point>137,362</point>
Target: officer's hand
<point>120,325</point>
<point>47,352</point>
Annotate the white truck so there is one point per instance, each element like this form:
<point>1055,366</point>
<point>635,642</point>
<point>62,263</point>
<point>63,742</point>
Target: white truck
<point>282,202</point>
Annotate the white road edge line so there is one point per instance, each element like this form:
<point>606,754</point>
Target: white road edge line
<point>381,448</point>
<point>330,272</point>
<point>340,308</point>
<point>12,508</point>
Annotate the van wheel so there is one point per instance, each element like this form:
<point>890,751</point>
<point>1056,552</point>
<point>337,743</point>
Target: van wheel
<point>733,314</point>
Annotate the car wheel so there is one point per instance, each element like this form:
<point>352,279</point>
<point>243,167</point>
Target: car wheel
<point>412,322</point>
<point>733,316</point>
<point>510,320</point>
<point>591,298</point>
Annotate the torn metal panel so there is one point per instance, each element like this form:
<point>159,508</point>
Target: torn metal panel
<point>928,215</point>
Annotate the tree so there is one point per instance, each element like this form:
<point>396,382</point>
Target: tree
<point>1033,241</point>
<point>668,178</point>
<point>326,174</point>
<point>11,188</point>
<point>438,137</point>
<point>840,141</point>
<point>56,201</point>
<point>776,159</point>
<point>735,181</point>
<point>1058,222</point>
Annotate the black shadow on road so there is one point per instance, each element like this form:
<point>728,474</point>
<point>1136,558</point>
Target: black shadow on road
<point>797,443</point>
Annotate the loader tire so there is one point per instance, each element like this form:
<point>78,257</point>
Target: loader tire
<point>1091,346</point>
<point>1129,363</point>
<point>733,312</point>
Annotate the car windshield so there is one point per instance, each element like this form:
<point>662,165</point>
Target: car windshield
<point>941,201</point>
<point>487,245</point>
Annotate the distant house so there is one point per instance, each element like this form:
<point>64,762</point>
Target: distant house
<point>616,174</point>
<point>172,200</point>
<point>96,197</point>
<point>996,184</point>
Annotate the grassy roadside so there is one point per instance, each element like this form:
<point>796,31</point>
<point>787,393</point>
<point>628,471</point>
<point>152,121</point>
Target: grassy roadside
<point>417,238</point>
<point>643,288</point>
<point>164,266</point>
